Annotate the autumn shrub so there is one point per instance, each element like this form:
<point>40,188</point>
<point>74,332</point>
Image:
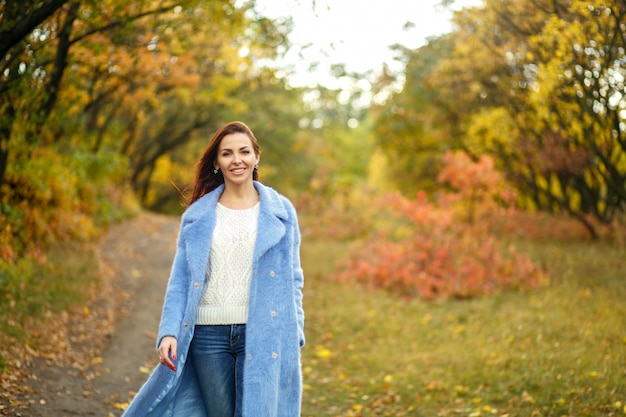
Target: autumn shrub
<point>59,197</point>
<point>442,247</point>
<point>476,190</point>
<point>434,256</point>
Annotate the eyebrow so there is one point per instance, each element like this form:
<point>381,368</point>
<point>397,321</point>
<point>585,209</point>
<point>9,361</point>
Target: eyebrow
<point>241,149</point>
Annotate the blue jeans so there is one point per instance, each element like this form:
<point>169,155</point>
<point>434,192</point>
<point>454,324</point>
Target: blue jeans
<point>218,354</point>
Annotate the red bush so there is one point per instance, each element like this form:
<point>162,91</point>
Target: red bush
<point>437,258</point>
<point>437,250</point>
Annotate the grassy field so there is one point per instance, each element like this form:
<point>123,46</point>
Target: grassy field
<point>556,351</point>
<point>53,287</point>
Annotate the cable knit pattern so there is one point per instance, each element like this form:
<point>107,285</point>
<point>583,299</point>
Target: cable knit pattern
<point>229,271</point>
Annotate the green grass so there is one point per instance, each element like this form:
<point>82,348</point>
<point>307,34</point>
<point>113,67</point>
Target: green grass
<point>29,289</point>
<point>556,351</point>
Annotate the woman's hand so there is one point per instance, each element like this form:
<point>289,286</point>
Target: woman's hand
<point>167,349</point>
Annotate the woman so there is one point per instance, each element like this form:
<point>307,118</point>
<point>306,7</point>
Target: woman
<point>232,322</point>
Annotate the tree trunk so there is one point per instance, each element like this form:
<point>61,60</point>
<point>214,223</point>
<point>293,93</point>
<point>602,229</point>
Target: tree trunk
<point>5,134</point>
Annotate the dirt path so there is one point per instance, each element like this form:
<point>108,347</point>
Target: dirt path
<point>138,255</point>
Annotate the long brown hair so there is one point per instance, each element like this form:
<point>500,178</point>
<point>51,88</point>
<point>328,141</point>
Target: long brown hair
<point>206,179</point>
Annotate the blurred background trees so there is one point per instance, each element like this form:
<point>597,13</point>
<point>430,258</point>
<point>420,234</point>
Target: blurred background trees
<point>105,107</point>
<point>537,85</point>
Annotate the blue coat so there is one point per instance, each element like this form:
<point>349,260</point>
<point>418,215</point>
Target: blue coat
<point>274,331</point>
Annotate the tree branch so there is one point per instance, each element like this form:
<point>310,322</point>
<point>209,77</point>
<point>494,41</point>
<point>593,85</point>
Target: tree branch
<point>121,22</point>
<point>17,23</point>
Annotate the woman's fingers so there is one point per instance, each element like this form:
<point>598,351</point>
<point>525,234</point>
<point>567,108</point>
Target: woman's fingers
<point>167,348</point>
<point>173,347</point>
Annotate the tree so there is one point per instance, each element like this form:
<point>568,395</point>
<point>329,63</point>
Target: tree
<point>37,54</point>
<point>100,86</point>
<point>223,79</point>
<point>416,125</point>
<point>544,93</point>
<point>17,22</point>
<point>577,113</point>
<point>538,85</point>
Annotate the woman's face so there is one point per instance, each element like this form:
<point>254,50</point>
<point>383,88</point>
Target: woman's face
<point>236,159</point>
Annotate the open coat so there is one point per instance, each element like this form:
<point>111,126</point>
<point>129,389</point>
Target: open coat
<point>274,331</point>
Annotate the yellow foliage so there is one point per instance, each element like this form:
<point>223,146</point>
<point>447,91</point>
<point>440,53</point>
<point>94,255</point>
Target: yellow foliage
<point>378,172</point>
<point>489,129</point>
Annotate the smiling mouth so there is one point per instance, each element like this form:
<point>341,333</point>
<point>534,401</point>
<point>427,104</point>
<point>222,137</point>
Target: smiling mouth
<point>237,170</point>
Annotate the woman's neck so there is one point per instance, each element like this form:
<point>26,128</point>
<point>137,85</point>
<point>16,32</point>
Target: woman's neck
<point>242,197</point>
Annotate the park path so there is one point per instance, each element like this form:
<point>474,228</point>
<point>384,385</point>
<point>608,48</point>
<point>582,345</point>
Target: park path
<point>136,256</point>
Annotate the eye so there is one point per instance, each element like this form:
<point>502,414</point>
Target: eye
<point>246,152</point>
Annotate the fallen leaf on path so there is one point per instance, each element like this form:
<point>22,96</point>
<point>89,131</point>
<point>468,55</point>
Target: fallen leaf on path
<point>120,406</point>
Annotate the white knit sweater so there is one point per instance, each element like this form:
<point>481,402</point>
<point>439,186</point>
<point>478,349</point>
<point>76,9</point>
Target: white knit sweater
<point>229,271</point>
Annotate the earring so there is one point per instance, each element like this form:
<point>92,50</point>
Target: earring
<point>216,171</point>
<point>256,166</point>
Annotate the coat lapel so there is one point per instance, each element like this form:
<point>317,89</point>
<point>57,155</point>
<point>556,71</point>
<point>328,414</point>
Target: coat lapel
<point>198,227</point>
<point>271,220</point>
<point>199,223</point>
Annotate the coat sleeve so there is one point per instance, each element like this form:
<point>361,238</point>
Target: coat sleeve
<point>298,284</point>
<point>175,294</point>
<point>298,274</point>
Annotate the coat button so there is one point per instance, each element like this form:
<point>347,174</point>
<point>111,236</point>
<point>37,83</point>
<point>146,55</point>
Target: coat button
<point>273,313</point>
<point>249,355</point>
<point>186,325</point>
<point>274,355</point>
<point>196,284</point>
<point>272,273</point>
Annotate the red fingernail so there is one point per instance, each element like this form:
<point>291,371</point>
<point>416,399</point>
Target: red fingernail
<point>174,357</point>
